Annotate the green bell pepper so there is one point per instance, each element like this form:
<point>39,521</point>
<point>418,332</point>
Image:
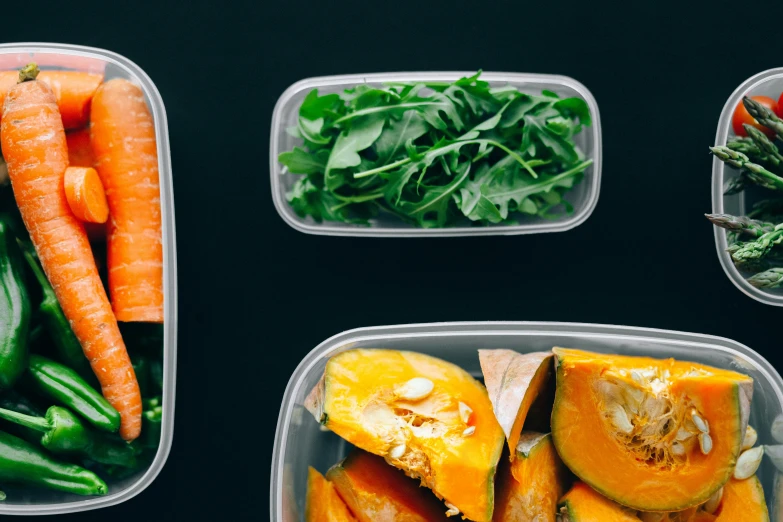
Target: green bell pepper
<point>15,310</point>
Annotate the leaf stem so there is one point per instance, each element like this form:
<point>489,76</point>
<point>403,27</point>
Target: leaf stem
<point>382,168</point>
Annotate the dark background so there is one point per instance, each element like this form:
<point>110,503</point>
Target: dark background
<point>255,296</point>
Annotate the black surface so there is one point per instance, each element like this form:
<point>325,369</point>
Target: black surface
<point>255,295</point>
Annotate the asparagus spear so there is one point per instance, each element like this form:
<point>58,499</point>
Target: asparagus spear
<point>751,227</point>
<point>764,116</point>
<point>764,144</point>
<point>759,247</point>
<point>756,153</point>
<point>755,172</point>
<point>771,278</point>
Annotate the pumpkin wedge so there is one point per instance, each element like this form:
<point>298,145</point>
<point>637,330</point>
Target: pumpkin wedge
<point>514,381</point>
<point>377,492</point>
<point>323,504</point>
<point>654,435</point>
<point>743,500</point>
<point>529,488</point>
<point>583,504</point>
<point>424,415</point>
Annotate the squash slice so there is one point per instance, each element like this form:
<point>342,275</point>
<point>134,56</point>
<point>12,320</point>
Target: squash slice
<point>529,488</point>
<point>424,415</point>
<point>323,503</point>
<point>743,500</point>
<point>653,435</point>
<point>514,381</point>
<point>377,492</point>
<point>583,504</point>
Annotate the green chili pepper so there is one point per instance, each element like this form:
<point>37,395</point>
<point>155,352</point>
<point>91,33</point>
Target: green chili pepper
<point>64,386</point>
<point>14,310</point>
<point>64,433</point>
<point>24,463</point>
<point>69,350</point>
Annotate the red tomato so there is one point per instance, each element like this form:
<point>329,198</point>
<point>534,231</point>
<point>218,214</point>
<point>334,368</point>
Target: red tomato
<point>780,106</point>
<point>742,116</point>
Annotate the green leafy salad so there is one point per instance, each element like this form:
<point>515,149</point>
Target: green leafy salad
<point>436,154</point>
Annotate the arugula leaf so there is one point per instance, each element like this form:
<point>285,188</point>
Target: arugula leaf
<point>575,107</point>
<point>313,106</point>
<point>435,201</point>
<point>350,142</point>
<point>398,132</point>
<point>299,161</point>
<point>536,130</point>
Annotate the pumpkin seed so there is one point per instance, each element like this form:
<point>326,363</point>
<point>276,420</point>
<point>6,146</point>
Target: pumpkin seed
<point>748,463</point>
<point>469,431</point>
<point>415,389</point>
<point>713,503</point>
<point>620,418</point>
<point>465,412</point>
<point>452,510</point>
<point>700,423</point>
<point>651,516</point>
<point>397,451</point>
<point>705,443</point>
<point>750,438</point>
<point>683,434</point>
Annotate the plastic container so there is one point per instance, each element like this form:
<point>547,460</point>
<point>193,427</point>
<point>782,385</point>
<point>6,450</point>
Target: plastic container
<point>300,443</point>
<point>767,83</point>
<point>28,501</point>
<point>583,197</point>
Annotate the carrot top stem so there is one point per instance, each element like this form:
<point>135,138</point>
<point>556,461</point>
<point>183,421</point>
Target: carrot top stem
<point>29,72</point>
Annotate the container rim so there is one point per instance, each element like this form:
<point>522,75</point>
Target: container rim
<point>295,222</point>
<point>491,328</point>
<point>718,168</point>
<point>169,277</point>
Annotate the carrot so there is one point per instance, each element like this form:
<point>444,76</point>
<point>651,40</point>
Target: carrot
<point>72,89</point>
<point>85,195</point>
<point>79,148</point>
<point>123,141</point>
<point>33,144</point>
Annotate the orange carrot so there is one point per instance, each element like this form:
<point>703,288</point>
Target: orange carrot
<point>79,148</point>
<point>85,195</point>
<point>72,89</point>
<point>126,154</point>
<point>33,144</point>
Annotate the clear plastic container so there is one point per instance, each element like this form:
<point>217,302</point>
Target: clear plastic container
<point>583,197</point>
<point>28,501</point>
<point>300,443</point>
<point>767,83</point>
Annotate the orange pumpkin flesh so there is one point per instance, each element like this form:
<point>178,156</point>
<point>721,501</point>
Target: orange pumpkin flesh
<point>323,503</point>
<point>529,488</point>
<point>514,381</point>
<point>743,500</point>
<point>583,504</point>
<point>635,456</point>
<point>364,397</point>
<point>377,492</point>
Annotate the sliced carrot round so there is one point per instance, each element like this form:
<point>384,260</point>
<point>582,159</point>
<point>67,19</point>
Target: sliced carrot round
<point>85,194</point>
